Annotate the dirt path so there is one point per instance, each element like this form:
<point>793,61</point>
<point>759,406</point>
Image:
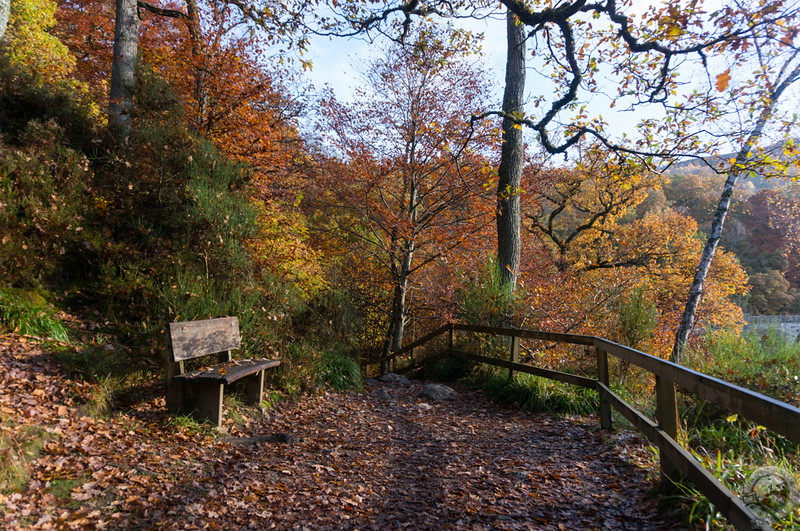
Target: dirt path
<point>383,459</point>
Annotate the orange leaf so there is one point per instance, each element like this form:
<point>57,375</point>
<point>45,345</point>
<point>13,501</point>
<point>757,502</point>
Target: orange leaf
<point>723,79</point>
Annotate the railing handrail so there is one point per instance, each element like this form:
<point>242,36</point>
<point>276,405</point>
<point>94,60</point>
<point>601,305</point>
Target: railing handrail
<point>773,414</point>
<point>778,416</point>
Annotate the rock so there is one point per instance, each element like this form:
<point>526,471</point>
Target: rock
<point>392,378</point>
<point>285,438</point>
<point>436,392</point>
<point>425,406</point>
<point>384,394</point>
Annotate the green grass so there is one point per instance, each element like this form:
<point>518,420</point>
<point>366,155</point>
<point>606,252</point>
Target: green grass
<point>340,371</point>
<point>768,363</point>
<point>61,488</point>
<point>17,449</point>
<point>192,425</point>
<point>733,448</point>
<point>533,392</point>
<point>309,367</point>
<point>29,313</point>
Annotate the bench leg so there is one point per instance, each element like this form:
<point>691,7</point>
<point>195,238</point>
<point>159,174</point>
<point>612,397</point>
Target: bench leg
<point>254,388</point>
<point>175,397</point>
<point>204,400</point>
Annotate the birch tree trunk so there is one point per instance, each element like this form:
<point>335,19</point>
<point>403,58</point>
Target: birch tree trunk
<point>511,156</point>
<point>123,69</point>
<point>688,319</point>
<point>5,10</point>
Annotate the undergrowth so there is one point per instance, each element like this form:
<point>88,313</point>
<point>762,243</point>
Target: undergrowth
<point>18,447</point>
<point>535,393</point>
<point>29,313</point>
<point>308,367</point>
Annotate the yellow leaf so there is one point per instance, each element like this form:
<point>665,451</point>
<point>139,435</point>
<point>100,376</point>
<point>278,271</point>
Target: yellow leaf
<point>675,31</point>
<point>723,79</point>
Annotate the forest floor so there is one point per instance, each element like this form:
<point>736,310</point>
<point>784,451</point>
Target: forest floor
<point>381,459</point>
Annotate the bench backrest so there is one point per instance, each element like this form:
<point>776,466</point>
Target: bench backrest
<point>192,339</point>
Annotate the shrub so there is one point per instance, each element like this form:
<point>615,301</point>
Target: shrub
<point>485,300</point>
<point>535,393</point>
<point>46,213</point>
<point>765,362</point>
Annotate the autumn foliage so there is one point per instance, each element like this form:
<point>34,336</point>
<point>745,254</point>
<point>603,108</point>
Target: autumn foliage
<point>392,208</point>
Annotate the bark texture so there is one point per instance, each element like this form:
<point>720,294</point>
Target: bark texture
<point>511,156</point>
<point>123,69</point>
<point>5,10</point>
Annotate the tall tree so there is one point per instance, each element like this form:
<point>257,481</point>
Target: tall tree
<point>768,60</point>
<point>123,69</point>
<point>512,155</point>
<point>409,181</point>
<point>589,251</point>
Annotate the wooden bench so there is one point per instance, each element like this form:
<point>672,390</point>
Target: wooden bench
<point>199,393</point>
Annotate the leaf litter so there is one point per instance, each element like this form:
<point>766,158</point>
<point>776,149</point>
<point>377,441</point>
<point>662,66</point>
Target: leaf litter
<point>381,459</point>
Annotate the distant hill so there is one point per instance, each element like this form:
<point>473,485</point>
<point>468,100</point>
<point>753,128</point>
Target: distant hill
<point>695,167</point>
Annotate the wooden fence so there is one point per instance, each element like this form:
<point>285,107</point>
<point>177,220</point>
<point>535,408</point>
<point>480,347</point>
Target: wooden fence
<point>675,461</point>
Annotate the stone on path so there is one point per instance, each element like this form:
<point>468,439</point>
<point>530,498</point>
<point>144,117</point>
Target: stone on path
<point>437,392</point>
<point>392,378</point>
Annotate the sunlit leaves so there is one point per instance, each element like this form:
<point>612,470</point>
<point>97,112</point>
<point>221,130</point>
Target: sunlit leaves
<point>407,188</point>
<point>722,80</point>
<point>32,43</point>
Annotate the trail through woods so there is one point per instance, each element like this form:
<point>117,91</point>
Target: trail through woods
<point>382,459</point>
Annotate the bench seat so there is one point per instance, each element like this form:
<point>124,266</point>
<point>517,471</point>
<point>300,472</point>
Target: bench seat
<point>229,372</point>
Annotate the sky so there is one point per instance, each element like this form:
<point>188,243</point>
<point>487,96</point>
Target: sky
<point>338,63</point>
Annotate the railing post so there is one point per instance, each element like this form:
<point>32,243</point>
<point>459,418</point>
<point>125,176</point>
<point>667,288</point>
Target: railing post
<point>451,334</point>
<point>514,355</point>
<point>667,416</point>
<point>602,377</point>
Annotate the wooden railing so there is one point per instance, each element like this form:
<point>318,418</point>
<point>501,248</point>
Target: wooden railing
<point>676,462</point>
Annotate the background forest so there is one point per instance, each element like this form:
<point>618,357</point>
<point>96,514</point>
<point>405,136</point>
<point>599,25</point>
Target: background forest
<point>240,190</point>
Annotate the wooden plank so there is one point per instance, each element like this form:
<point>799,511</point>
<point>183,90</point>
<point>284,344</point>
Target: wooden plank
<point>602,377</point>
<point>778,416</point>
<point>203,400</point>
<point>192,339</point>
<point>580,381</point>
<point>513,355</point>
<point>725,501</point>
<point>424,339</point>
<point>666,407</point>
<point>667,416</point>
<point>728,503</point>
<point>228,372</point>
<point>254,388</point>
<point>574,339</point>
<point>642,423</point>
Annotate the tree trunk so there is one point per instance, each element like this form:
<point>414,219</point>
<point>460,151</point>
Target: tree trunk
<point>397,321</point>
<point>123,69</point>
<point>696,291</point>
<point>5,10</point>
<point>200,72</point>
<point>511,156</point>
